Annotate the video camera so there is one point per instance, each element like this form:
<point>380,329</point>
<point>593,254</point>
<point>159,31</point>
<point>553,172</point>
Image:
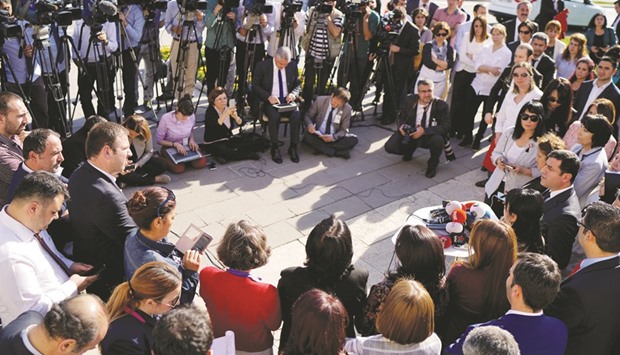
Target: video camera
<point>8,27</point>
<point>45,12</point>
<point>192,5</point>
<point>387,34</point>
<point>352,9</point>
<point>290,7</point>
<point>257,7</point>
<point>227,5</point>
<point>97,12</point>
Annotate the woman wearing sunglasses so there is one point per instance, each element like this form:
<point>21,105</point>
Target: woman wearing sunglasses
<point>515,153</point>
<point>135,305</point>
<point>437,58</point>
<point>153,209</point>
<point>557,99</point>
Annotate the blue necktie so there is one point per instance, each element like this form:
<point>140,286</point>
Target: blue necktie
<point>281,85</point>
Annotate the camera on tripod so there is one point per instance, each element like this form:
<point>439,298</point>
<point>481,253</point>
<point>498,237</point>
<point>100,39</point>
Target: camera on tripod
<point>97,12</point>
<point>8,27</point>
<point>192,5</point>
<point>257,7</point>
<point>352,9</point>
<point>290,7</point>
<point>387,34</point>
<point>45,12</point>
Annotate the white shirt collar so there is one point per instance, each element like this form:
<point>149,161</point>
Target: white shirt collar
<point>595,84</point>
<point>528,314</point>
<point>553,194</point>
<point>103,172</point>
<point>20,230</point>
<point>590,261</point>
<point>26,341</point>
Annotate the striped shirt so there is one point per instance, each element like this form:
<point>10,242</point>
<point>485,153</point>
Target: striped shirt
<point>319,45</point>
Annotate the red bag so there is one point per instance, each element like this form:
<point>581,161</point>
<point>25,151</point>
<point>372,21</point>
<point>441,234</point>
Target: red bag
<point>487,163</point>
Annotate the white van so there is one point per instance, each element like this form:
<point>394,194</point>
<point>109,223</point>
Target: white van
<point>580,11</point>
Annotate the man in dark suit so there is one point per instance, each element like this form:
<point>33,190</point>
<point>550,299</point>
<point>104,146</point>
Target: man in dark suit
<point>561,208</point>
<point>548,10</point>
<point>327,124</point>
<point>428,5</point>
<point>75,326</point>
<point>403,50</point>
<point>276,81</point>
<point>616,24</point>
<point>532,284</point>
<point>526,30</point>
<point>603,85</point>
<point>588,299</point>
<point>425,122</point>
<point>74,147</point>
<point>541,61</point>
<point>512,26</point>
<point>99,215</point>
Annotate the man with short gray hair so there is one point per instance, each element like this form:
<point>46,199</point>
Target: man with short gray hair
<point>490,340</point>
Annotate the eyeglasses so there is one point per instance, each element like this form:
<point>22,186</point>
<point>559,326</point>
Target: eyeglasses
<point>581,223</point>
<point>525,32</point>
<point>533,118</point>
<point>553,99</point>
<point>442,34</point>
<point>175,302</point>
<point>170,197</point>
<point>523,75</point>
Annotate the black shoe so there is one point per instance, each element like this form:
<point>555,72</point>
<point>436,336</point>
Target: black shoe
<point>275,155</point>
<point>407,157</point>
<point>431,172</point>
<point>465,142</point>
<point>292,152</point>
<point>481,183</point>
<point>344,154</point>
<point>476,144</point>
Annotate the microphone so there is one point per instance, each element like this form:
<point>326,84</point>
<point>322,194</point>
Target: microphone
<point>108,8</point>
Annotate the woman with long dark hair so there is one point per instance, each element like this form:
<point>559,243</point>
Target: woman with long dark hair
<point>523,210</point>
<point>329,251</point>
<point>584,71</point>
<point>600,37</point>
<point>557,100</point>
<point>420,257</point>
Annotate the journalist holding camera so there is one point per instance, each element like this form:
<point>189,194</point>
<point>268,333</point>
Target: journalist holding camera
<point>425,122</point>
<point>131,22</point>
<point>220,41</point>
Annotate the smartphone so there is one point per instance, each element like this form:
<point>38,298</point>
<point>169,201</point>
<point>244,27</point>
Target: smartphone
<point>203,242</point>
<point>95,271</point>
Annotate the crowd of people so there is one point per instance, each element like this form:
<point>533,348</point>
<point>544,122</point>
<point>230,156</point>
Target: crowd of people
<point>549,267</point>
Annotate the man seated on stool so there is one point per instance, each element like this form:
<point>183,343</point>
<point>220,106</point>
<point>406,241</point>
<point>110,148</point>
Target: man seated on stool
<point>426,120</point>
<point>327,124</point>
<point>277,81</point>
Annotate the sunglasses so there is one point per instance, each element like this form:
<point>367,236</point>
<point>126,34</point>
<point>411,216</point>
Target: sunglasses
<point>175,302</point>
<point>525,32</point>
<point>442,34</point>
<point>553,99</point>
<point>523,75</point>
<point>170,197</point>
<point>533,118</point>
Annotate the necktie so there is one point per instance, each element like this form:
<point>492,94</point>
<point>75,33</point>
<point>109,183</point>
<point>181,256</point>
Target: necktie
<point>534,61</point>
<point>281,84</point>
<point>577,268</point>
<point>328,126</point>
<point>49,251</point>
<point>424,116</point>
<point>546,195</point>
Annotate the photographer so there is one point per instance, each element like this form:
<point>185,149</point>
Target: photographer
<point>175,24</point>
<point>322,43</point>
<point>131,22</point>
<point>150,52</point>
<point>368,21</point>
<point>402,50</point>
<point>19,54</point>
<point>99,69</point>
<point>426,121</point>
<point>220,39</point>
<point>284,11</point>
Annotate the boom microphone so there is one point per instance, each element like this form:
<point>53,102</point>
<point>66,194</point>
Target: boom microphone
<point>108,8</point>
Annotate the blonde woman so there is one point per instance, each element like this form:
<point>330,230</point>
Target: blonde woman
<point>567,62</point>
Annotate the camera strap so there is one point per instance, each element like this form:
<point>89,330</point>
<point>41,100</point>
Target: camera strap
<point>24,9</point>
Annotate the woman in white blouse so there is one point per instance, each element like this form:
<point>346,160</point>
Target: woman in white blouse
<point>473,43</point>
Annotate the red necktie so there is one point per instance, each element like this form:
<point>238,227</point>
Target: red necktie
<point>51,253</point>
<point>577,268</point>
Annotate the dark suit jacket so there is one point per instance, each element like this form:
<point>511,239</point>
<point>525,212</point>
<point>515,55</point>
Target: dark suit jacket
<point>510,29</point>
<point>438,121</point>
<point>74,152</point>
<point>262,80</point>
<point>617,29</point>
<point>351,290</point>
<point>129,335</point>
<point>101,224</point>
<point>611,93</point>
<point>18,176</point>
<point>588,304</point>
<point>319,109</point>
<point>546,67</point>
<point>10,339</point>
<point>559,225</point>
<point>408,41</point>
<point>213,130</point>
<point>431,8</point>
<point>547,12</point>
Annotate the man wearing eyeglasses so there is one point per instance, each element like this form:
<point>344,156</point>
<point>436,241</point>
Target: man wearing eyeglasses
<point>561,206</point>
<point>99,216</point>
<point>588,297</point>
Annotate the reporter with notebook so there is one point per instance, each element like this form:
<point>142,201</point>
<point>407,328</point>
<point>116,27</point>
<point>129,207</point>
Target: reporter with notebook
<point>153,210</point>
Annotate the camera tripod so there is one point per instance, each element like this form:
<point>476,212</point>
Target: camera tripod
<point>382,68</point>
<point>4,61</point>
<point>287,35</point>
<point>152,60</point>
<point>250,58</point>
<point>345,74</point>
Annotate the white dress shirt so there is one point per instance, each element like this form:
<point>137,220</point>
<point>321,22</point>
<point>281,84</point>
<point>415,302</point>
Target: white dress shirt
<point>483,82</point>
<point>594,94</point>
<point>507,115</point>
<point>473,48</point>
<point>275,87</point>
<point>30,278</point>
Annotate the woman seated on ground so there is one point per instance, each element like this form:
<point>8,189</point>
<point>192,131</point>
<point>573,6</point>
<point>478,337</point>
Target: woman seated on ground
<point>318,325</point>
<point>515,153</point>
<point>219,139</point>
<point>477,287</point>
<point>135,305</point>
<point>175,130</point>
<point>555,47</point>
<point>584,71</point>
<point>601,107</point>
<point>148,169</point>
<point>237,300</point>
<point>576,50</point>
<point>405,323</point>
<point>523,210</point>
<point>153,210</point>
<point>600,37</point>
<point>329,251</point>
<point>547,143</point>
<point>557,100</point>
<point>420,256</point>
<point>594,133</point>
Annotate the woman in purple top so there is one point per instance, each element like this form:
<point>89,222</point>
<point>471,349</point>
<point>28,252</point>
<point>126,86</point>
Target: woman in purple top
<point>175,131</point>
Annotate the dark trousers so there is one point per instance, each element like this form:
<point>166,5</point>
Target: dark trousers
<point>37,95</point>
<point>461,84</point>
<point>129,82</point>
<point>259,54</point>
<point>239,147</point>
<point>274,123</point>
<point>330,148</point>
<point>145,175</point>
<point>55,108</point>
<point>434,143</point>
<point>392,99</point>
<point>213,67</point>
<point>357,68</point>
<point>105,101</point>
<point>310,73</point>
<point>473,102</point>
